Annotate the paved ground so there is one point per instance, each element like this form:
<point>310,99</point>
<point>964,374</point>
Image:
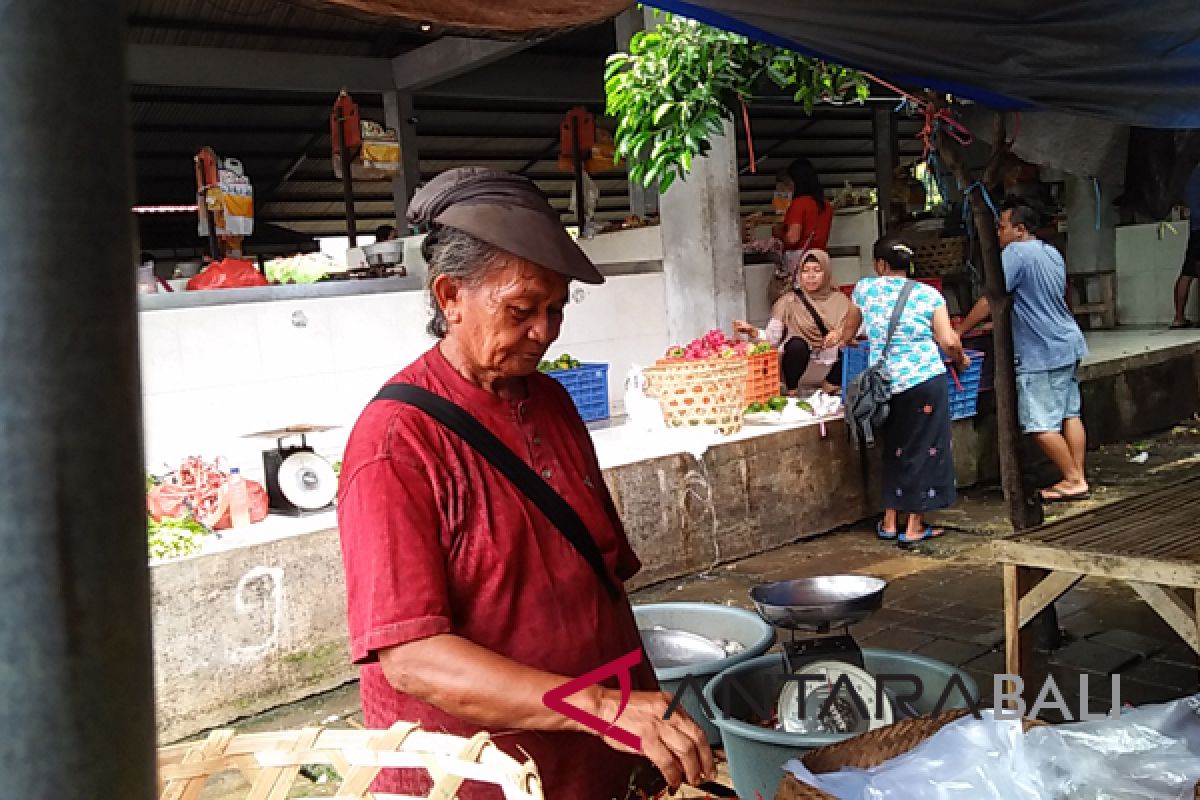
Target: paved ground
<point>945,599</point>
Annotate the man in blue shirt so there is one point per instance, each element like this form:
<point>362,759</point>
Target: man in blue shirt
<point>1048,347</point>
<point>1191,259</point>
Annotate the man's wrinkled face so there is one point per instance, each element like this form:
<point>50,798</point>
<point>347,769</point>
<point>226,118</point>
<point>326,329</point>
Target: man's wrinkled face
<point>506,323</point>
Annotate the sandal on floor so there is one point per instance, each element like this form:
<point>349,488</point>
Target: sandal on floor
<point>929,533</point>
<point>885,535</point>
<point>1059,497</point>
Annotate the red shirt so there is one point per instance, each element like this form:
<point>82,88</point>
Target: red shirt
<point>434,540</point>
<point>803,211</point>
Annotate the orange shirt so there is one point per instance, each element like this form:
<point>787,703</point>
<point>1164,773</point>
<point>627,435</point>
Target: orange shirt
<point>803,212</point>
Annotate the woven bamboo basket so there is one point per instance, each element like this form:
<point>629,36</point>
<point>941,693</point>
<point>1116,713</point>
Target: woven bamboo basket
<point>868,750</point>
<point>711,392</point>
<point>271,762</point>
<point>936,257</point>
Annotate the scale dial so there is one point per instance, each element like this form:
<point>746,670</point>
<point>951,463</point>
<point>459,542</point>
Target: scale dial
<point>844,715</point>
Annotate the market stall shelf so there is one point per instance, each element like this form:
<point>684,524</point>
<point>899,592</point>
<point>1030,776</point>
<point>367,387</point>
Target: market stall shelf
<point>1148,542</point>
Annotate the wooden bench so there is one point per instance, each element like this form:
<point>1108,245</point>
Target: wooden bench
<point>270,763</point>
<point>1148,541</point>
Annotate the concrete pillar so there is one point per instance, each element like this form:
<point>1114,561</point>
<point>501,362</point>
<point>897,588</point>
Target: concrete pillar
<point>643,201</point>
<point>702,245</point>
<point>398,115</point>
<point>1089,249</point>
<point>76,689</point>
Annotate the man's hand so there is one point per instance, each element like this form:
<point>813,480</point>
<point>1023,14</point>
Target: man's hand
<point>833,339</point>
<point>964,363</point>
<point>676,746</point>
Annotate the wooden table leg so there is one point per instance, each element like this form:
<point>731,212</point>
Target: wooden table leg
<point>1014,637</point>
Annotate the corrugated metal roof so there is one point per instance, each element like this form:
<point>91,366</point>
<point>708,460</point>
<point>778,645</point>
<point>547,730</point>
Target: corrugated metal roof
<point>274,133</point>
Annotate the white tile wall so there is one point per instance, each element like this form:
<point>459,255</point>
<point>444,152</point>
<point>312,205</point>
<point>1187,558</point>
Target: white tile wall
<point>1148,261</point>
<point>212,375</point>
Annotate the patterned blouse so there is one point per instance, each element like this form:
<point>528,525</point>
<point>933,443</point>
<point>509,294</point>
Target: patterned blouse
<point>915,356</point>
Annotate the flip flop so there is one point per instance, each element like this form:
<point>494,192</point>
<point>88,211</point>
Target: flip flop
<point>885,535</point>
<point>929,533</point>
<point>1059,497</point>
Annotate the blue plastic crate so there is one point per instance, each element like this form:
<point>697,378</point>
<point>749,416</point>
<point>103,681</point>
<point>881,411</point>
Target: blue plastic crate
<point>963,401</point>
<point>588,386</point>
<point>964,395</point>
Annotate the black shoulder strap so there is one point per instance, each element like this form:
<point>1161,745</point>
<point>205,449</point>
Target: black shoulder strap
<point>471,431</point>
<point>901,301</point>
<point>821,326</point>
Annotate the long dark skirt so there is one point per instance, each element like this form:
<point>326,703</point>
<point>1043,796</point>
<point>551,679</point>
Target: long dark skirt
<point>918,466</point>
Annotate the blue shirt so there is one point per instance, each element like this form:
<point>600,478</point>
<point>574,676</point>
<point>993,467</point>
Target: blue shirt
<point>1045,334</point>
<point>914,356</point>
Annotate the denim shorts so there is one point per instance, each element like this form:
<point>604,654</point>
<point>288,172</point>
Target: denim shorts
<point>1045,399</point>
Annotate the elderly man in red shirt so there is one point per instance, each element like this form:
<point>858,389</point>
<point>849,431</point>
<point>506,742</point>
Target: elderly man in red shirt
<point>466,603</point>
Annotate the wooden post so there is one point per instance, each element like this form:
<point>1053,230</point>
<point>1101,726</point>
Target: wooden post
<point>883,128</point>
<point>1023,511</point>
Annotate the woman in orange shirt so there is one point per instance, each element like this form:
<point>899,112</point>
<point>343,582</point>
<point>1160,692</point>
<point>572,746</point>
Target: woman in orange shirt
<point>808,215</point>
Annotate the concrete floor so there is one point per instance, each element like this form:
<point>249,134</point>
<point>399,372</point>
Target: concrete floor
<point>945,598</point>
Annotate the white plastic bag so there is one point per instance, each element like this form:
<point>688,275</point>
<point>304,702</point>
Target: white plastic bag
<point>1149,753</point>
<point>644,413</point>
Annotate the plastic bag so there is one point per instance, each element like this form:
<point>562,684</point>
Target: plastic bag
<point>1149,753</point>
<point>643,413</point>
<point>229,273</point>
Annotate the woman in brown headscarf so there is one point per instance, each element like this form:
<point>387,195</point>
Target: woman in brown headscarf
<point>800,322</point>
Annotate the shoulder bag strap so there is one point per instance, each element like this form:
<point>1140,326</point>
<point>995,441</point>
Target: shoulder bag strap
<point>471,431</point>
<point>901,300</point>
<point>821,326</point>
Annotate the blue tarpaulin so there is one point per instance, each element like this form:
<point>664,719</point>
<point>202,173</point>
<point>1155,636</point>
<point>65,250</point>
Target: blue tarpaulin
<point>1126,62</point>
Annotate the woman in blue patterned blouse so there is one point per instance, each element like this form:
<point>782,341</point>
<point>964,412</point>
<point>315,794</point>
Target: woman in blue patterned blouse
<point>918,466</point>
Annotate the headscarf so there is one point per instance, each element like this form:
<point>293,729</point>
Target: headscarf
<point>505,210</point>
<point>827,300</point>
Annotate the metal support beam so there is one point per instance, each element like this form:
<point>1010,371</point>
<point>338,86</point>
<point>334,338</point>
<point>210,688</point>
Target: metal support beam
<point>229,68</point>
<point>76,683</point>
<point>642,200</point>
<point>553,81</point>
<point>883,124</point>
<point>398,114</point>
<point>447,58</point>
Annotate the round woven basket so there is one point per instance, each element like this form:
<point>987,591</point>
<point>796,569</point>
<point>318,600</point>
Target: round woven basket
<point>868,750</point>
<point>711,392</point>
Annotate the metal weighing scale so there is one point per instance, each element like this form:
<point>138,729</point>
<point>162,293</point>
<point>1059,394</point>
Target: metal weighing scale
<point>298,481</point>
<point>824,607</point>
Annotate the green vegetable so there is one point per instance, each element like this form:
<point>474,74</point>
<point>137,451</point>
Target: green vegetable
<point>565,361</point>
<point>756,408</point>
<point>777,403</point>
<point>760,348</point>
<point>805,405</point>
<point>172,538</point>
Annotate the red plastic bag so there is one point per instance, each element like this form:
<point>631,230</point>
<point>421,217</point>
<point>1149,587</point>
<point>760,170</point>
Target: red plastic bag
<point>229,273</point>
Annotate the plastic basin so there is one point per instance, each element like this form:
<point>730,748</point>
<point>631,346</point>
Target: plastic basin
<point>714,622</point>
<point>757,755</point>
